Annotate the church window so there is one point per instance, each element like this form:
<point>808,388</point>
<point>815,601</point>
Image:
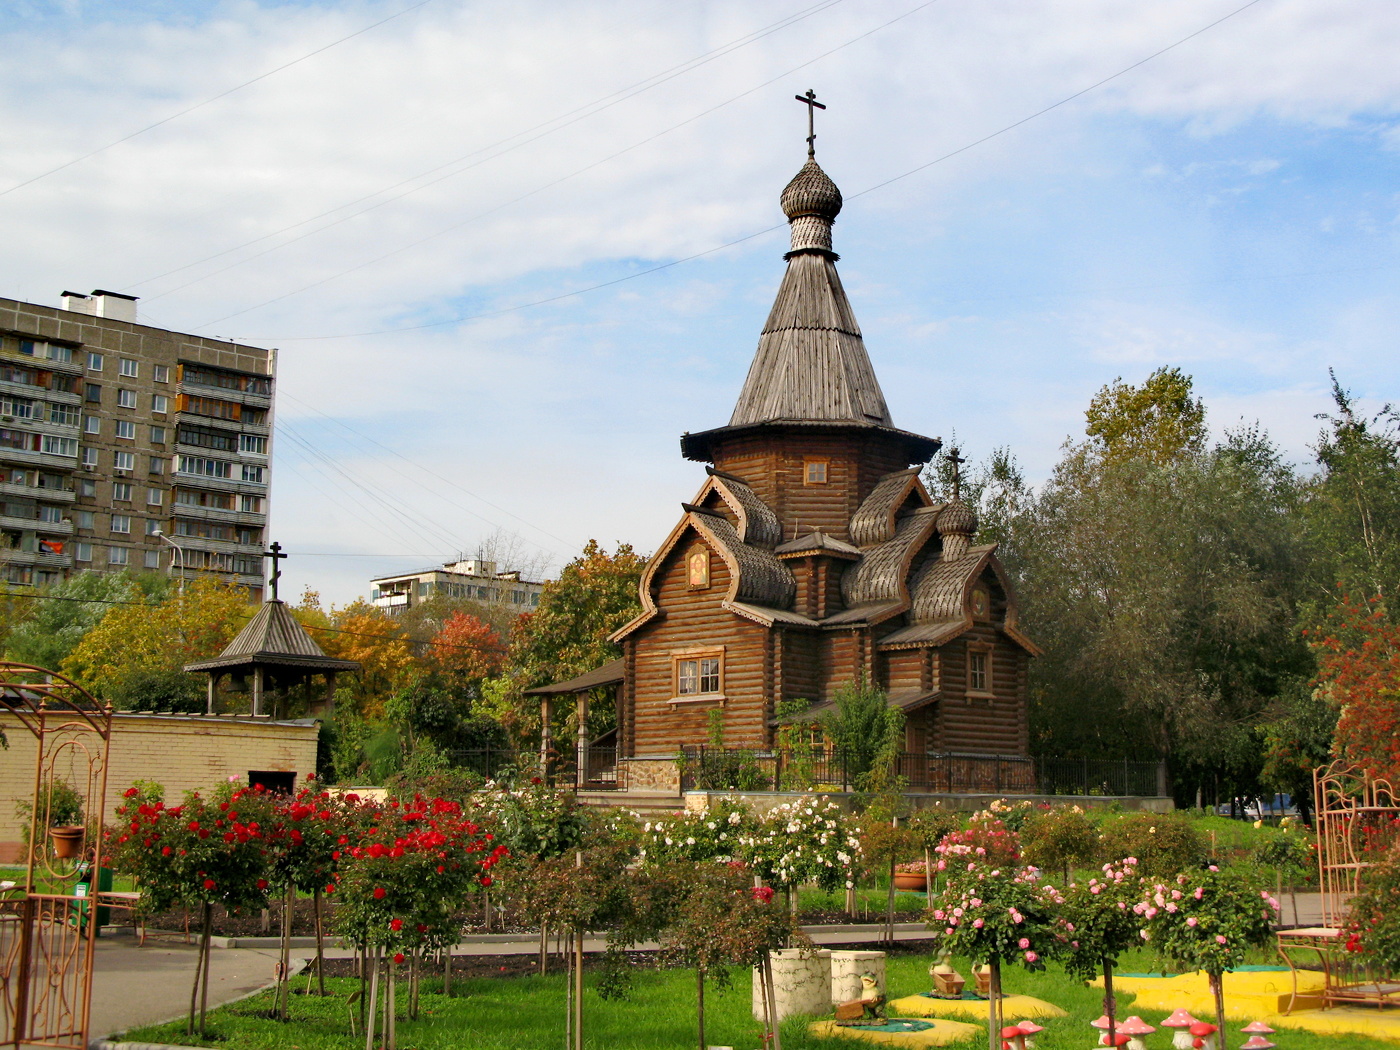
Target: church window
<point>694,677</point>
<point>814,472</point>
<point>979,671</point>
<point>698,568</point>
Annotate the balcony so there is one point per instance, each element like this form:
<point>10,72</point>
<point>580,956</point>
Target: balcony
<point>44,561</point>
<point>30,458</point>
<point>35,492</point>
<point>230,517</point>
<point>223,394</point>
<point>203,481</point>
<point>203,543</point>
<point>391,601</point>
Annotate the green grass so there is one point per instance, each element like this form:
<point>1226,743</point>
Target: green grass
<point>527,1013</point>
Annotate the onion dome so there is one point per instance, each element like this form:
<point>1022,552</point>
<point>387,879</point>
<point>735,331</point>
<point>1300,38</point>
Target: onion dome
<point>957,519</point>
<point>811,192</point>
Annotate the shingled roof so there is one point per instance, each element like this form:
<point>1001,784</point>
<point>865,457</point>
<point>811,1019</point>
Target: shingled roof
<point>811,367</point>
<point>274,637</point>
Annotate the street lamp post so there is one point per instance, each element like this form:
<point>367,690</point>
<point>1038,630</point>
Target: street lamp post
<point>177,558</point>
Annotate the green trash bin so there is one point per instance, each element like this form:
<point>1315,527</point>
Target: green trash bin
<point>83,889</point>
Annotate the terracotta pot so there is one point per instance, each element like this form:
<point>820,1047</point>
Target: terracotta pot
<point>67,841</point>
<point>910,880</point>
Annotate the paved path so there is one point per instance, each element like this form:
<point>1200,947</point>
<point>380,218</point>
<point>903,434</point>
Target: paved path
<point>135,986</point>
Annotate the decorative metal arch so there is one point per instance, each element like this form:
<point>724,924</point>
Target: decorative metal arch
<point>46,938</point>
<point>1352,809</point>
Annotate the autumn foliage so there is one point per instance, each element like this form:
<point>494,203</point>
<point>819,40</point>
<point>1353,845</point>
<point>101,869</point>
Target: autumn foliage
<point>1358,657</point>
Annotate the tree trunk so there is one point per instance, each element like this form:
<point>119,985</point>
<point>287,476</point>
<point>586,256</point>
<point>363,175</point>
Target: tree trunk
<point>1217,989</point>
<point>413,971</point>
<point>994,1007</point>
<point>700,1004</point>
<point>888,935</point>
<point>204,942</point>
<point>447,970</point>
<point>284,986</point>
<point>320,943</point>
<point>194,991</point>
<point>544,947</point>
<point>391,1008</point>
<point>1110,1005</point>
<point>578,989</point>
<point>770,996</point>
<point>372,1014</point>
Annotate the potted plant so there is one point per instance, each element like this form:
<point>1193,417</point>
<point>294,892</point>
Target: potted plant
<point>911,876</point>
<point>59,814</point>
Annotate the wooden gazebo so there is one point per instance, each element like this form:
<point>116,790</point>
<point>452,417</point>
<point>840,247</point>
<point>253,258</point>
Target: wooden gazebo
<point>275,653</point>
<point>610,674</point>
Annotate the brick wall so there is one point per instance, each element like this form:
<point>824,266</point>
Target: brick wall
<point>180,752</point>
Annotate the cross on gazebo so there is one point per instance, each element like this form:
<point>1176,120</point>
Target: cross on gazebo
<point>810,101</point>
<point>957,461</point>
<point>275,553</point>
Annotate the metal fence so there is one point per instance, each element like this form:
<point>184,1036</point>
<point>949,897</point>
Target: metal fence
<point>602,770</point>
<point>736,769</point>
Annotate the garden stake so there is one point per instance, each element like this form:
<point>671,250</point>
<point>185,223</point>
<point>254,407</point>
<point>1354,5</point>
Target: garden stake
<point>994,1006</point>
<point>544,947</point>
<point>700,1003</point>
<point>447,970</point>
<point>888,934</point>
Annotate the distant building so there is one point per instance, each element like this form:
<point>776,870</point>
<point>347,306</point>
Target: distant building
<point>470,580</point>
<point>124,446</point>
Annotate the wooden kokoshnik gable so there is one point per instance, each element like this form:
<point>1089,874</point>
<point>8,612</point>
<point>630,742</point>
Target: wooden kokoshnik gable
<point>813,555</point>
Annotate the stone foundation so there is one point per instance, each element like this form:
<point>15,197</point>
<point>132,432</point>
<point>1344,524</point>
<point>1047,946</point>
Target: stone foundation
<point>653,774</point>
<point>801,983</point>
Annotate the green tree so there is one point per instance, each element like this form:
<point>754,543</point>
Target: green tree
<point>158,637</point>
<point>567,634</point>
<point>1161,421</point>
<point>1351,507</point>
<point>66,611</point>
<point>1161,578</point>
<point>865,731</point>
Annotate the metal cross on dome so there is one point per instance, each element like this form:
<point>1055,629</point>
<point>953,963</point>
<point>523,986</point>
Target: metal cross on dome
<point>275,553</point>
<point>957,461</point>
<point>810,101</point>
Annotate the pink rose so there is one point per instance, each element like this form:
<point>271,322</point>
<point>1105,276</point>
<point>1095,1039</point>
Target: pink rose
<point>1031,957</point>
<point>1191,921</point>
<point>1219,938</point>
<point>977,924</point>
<point>1023,943</point>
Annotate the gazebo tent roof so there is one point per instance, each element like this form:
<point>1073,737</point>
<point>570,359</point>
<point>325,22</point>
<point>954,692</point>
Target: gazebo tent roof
<point>274,638</point>
<point>608,674</point>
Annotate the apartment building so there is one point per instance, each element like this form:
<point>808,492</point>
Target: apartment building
<point>472,579</point>
<point>124,446</point>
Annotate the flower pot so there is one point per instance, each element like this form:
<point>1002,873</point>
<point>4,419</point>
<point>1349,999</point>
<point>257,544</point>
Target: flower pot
<point>910,880</point>
<point>67,841</point>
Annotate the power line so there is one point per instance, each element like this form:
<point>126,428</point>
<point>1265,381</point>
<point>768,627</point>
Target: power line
<point>739,240</point>
<point>5,595</point>
<point>212,98</point>
<point>526,137</point>
<point>574,174</point>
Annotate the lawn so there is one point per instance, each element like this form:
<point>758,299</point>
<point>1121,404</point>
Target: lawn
<point>526,1013</point>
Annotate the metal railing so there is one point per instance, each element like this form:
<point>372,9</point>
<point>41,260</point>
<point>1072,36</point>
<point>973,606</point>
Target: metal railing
<point>737,769</point>
<point>602,770</point>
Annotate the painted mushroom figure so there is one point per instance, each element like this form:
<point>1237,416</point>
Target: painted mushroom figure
<point>1102,1025</point>
<point>1257,1028</point>
<point>1031,1030</point>
<point>1257,1042</point>
<point>1136,1028</point>
<point>1181,1021</point>
<point>1012,1038</point>
<point>1203,1036</point>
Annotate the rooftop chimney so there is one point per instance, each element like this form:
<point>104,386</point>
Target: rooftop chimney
<point>102,303</point>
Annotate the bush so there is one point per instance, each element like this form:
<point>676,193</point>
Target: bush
<point>983,842</point>
<point>1163,845</point>
<point>60,805</point>
<point>1373,917</point>
<point>1060,839</point>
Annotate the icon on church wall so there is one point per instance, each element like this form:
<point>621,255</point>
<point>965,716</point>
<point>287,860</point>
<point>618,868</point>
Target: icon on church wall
<point>980,602</point>
<point>699,567</point>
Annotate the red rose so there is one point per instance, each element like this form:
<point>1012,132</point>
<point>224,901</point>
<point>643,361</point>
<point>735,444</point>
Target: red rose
<point>129,793</point>
<point>396,925</point>
<point>422,928</point>
<point>165,851</point>
<point>262,884</point>
<point>208,884</point>
<point>379,893</point>
<point>486,880</point>
<point>398,957</point>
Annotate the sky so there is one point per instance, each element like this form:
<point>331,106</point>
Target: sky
<point>508,253</point>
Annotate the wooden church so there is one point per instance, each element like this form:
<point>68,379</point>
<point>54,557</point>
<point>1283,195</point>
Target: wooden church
<point>813,555</point>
